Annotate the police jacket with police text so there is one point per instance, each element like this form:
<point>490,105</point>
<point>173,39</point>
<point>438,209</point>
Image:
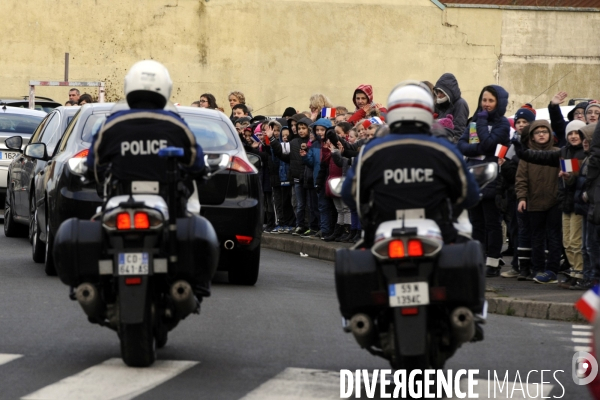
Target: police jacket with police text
<point>409,171</point>
<point>129,141</point>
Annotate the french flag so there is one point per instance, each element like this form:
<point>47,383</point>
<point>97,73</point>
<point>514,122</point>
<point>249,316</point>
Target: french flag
<point>588,304</point>
<point>501,151</point>
<point>328,113</point>
<point>571,165</point>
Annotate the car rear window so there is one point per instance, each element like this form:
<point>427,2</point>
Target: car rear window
<point>19,123</point>
<point>91,126</point>
<point>211,134</point>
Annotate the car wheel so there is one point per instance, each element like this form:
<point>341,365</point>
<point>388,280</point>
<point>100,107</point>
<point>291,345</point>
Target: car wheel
<point>11,228</point>
<point>50,268</point>
<point>38,249</point>
<point>244,268</point>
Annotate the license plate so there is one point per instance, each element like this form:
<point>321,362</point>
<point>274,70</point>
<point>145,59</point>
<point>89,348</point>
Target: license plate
<point>7,155</point>
<point>133,264</point>
<point>409,294</point>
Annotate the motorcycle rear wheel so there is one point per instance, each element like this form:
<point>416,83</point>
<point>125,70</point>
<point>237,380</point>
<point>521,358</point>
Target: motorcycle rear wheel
<point>138,347</point>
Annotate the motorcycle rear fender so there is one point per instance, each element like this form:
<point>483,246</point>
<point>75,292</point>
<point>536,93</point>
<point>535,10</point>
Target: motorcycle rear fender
<point>410,332</point>
<point>132,300</point>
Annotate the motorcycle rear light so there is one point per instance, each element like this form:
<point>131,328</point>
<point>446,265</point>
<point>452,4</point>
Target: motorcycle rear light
<point>141,221</point>
<point>396,249</point>
<point>239,165</point>
<point>410,311</point>
<point>82,153</point>
<point>438,293</point>
<point>133,281</point>
<point>123,221</point>
<point>243,239</point>
<point>415,248</point>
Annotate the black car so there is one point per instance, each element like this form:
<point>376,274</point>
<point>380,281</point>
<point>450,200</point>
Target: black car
<point>230,200</point>
<point>40,103</point>
<point>19,210</point>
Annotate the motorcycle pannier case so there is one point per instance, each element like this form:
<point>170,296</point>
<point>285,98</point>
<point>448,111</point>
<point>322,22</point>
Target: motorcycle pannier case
<point>77,250</point>
<point>356,282</point>
<point>197,250</point>
<point>460,272</point>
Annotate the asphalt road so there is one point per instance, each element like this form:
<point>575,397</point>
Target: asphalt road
<point>279,338</point>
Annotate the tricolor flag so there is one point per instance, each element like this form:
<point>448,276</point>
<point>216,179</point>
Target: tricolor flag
<point>588,304</point>
<point>256,139</point>
<point>501,151</point>
<point>328,113</point>
<point>376,120</point>
<point>571,165</point>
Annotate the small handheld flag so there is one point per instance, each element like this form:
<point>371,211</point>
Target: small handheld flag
<point>255,138</point>
<point>588,304</point>
<point>328,113</point>
<point>501,151</point>
<point>571,165</point>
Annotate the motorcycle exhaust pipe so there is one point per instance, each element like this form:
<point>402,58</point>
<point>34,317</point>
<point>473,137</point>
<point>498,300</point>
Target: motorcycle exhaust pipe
<point>361,327</point>
<point>88,297</point>
<point>229,245</point>
<point>463,324</point>
<point>183,299</point>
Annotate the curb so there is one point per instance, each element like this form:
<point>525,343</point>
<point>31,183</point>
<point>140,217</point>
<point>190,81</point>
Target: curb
<point>496,305</point>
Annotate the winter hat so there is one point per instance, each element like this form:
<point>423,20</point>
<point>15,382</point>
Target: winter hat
<point>324,122</point>
<point>588,131</point>
<point>574,125</point>
<point>583,105</point>
<point>527,113</point>
<point>258,118</point>
<point>447,122</point>
<point>366,89</point>
<point>372,121</point>
<point>590,105</point>
<point>257,129</point>
<point>290,111</point>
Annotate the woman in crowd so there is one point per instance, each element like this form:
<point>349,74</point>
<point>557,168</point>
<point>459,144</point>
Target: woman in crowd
<point>207,100</point>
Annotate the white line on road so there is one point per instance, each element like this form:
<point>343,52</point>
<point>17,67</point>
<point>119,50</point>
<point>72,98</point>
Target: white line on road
<point>583,348</point>
<point>111,380</point>
<point>581,340</point>
<point>6,358</point>
<point>582,327</point>
<point>582,333</point>
<point>299,384</point>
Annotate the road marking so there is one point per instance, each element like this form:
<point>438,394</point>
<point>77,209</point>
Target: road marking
<point>111,380</point>
<point>581,340</point>
<point>582,333</point>
<point>587,349</point>
<point>299,384</point>
<point>582,327</point>
<point>6,358</point>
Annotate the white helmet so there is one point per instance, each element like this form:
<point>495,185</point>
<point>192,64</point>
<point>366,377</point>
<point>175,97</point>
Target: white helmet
<point>148,85</point>
<point>410,101</point>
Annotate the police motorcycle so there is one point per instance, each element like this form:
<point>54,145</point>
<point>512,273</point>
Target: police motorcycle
<point>409,298</point>
<point>412,290</point>
<point>144,262</point>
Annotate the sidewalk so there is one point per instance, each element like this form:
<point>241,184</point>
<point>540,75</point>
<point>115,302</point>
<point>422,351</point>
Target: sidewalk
<point>505,296</point>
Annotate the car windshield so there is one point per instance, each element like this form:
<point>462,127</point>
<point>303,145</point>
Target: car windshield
<point>19,123</point>
<point>211,134</point>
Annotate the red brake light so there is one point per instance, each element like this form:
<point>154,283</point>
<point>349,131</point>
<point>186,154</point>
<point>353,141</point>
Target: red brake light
<point>141,221</point>
<point>243,239</point>
<point>82,153</point>
<point>415,248</point>
<point>396,249</point>
<point>123,221</point>
<point>239,165</point>
<point>410,311</point>
<point>133,281</point>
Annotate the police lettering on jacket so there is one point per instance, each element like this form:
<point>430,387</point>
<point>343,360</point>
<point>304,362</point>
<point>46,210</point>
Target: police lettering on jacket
<point>142,147</point>
<point>408,175</point>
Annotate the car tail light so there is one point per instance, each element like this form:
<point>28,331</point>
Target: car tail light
<point>239,165</point>
<point>82,153</point>
<point>415,248</point>
<point>123,221</point>
<point>133,281</point>
<point>141,221</point>
<point>243,239</point>
<point>396,249</point>
<point>410,311</point>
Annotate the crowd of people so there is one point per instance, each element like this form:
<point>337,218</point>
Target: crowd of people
<point>544,192</point>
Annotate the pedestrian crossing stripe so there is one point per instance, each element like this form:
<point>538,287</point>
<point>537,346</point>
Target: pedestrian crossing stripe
<point>6,358</point>
<point>581,335</point>
<point>314,384</point>
<point>111,380</point>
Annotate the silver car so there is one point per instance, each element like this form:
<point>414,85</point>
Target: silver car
<point>14,121</point>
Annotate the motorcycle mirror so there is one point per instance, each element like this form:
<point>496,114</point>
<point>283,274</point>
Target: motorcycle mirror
<point>335,185</point>
<point>484,173</point>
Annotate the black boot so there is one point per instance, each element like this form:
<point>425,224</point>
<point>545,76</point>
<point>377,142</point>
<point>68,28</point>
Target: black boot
<point>346,233</point>
<point>337,232</point>
<point>524,263</point>
<point>357,237</point>
<point>350,237</point>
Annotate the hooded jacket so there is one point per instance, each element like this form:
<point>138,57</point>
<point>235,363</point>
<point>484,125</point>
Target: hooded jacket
<point>537,184</point>
<point>312,159</point>
<point>489,130</point>
<point>583,207</point>
<point>455,106</point>
<point>293,158</point>
<point>360,113</point>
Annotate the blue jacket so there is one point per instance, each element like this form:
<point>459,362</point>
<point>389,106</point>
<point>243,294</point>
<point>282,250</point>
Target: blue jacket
<point>312,159</point>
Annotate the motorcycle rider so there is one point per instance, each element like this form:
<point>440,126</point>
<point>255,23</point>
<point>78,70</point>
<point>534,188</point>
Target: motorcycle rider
<point>409,169</point>
<point>128,142</point>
